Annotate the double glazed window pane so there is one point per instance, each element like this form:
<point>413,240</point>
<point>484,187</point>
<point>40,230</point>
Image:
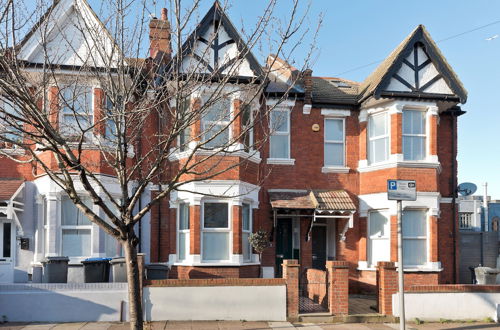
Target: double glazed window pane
<point>246,217</point>
<point>279,146</point>
<point>279,121</point>
<point>378,136</point>
<point>216,134</point>
<point>379,225</point>
<point>334,130</point>
<point>183,245</point>
<point>413,135</point>
<point>334,154</point>
<point>183,216</point>
<point>218,111</point>
<point>414,237</point>
<point>71,215</point>
<point>76,242</point>
<point>378,150</point>
<point>246,246</point>
<point>77,108</point>
<point>215,246</point>
<point>216,215</point>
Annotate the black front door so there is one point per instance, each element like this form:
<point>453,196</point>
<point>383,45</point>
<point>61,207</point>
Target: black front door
<point>284,246</point>
<point>319,247</point>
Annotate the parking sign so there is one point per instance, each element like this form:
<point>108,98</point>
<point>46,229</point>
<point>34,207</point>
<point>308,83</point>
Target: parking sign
<point>403,190</point>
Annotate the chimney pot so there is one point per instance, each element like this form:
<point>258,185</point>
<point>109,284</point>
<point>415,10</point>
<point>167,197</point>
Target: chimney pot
<point>164,14</point>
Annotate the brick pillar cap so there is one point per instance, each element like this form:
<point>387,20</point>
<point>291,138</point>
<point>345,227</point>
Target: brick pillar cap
<point>337,264</point>
<point>291,262</point>
<point>386,264</point>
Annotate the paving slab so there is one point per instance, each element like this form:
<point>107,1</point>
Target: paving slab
<point>98,326</point>
<point>69,326</point>
<point>39,326</point>
<point>281,325</point>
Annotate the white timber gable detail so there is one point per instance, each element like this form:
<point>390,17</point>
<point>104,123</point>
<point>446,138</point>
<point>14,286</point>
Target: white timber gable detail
<point>418,74</point>
<point>70,34</point>
<point>215,47</point>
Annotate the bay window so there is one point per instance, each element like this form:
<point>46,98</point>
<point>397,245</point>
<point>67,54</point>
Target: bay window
<point>215,232</point>
<point>185,134</point>
<point>414,237</point>
<point>215,124</point>
<point>76,229</point>
<point>334,148</point>
<point>378,138</point>
<point>280,134</point>
<point>76,110</point>
<point>414,135</point>
<point>183,231</point>
<point>378,237</point>
<point>246,231</point>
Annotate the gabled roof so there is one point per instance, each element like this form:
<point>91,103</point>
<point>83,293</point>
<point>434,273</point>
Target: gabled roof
<point>216,14</point>
<point>379,79</point>
<point>57,13</point>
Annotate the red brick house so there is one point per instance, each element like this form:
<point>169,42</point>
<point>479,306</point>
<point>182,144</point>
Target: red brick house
<point>318,183</point>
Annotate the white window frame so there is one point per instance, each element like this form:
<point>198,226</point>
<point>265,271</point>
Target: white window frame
<point>386,213</point>
<point>387,136</point>
<point>226,124</point>
<point>73,227</point>
<point>246,231</point>
<point>422,136</point>
<point>227,230</point>
<point>280,133</point>
<point>62,106</point>
<point>250,132</point>
<point>183,231</point>
<point>342,142</point>
<point>426,237</point>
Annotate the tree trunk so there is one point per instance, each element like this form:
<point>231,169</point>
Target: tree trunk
<point>134,286</point>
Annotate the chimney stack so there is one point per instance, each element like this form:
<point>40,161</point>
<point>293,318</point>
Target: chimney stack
<point>160,48</point>
<point>307,77</point>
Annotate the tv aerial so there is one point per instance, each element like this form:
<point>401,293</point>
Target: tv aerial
<point>466,188</point>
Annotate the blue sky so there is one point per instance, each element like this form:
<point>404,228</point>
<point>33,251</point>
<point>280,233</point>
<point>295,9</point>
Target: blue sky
<point>355,33</point>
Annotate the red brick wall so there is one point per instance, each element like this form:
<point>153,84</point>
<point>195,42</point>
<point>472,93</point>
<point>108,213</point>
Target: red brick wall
<point>189,272</point>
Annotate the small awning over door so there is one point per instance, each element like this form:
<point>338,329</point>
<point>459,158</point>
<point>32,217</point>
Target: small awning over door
<point>335,204</point>
<point>10,193</point>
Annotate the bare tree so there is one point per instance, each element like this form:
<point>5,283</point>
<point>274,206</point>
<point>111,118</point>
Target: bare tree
<point>159,119</point>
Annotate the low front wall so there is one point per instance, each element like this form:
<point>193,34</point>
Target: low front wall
<point>452,302</point>
<point>63,302</point>
<point>216,299</point>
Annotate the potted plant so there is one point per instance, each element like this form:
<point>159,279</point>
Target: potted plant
<point>259,242</point>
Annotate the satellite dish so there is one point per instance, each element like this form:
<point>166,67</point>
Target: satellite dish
<point>466,188</point>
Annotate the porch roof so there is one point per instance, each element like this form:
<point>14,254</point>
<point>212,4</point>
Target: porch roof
<point>324,200</point>
<point>8,188</point>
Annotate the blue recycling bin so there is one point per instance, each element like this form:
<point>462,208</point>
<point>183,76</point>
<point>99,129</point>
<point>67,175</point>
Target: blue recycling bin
<point>96,270</point>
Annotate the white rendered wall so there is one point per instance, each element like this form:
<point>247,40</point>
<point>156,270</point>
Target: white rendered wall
<point>451,306</point>
<point>250,303</point>
<point>62,302</point>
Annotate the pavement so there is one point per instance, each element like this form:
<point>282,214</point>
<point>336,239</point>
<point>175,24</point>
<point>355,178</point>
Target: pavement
<point>240,325</point>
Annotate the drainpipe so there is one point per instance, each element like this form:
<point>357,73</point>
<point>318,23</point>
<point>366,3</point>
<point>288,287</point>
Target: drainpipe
<point>485,208</point>
<point>454,190</point>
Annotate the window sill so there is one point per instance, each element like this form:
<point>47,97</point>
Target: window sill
<point>281,161</point>
<point>409,164</point>
<point>332,169</point>
<point>251,155</point>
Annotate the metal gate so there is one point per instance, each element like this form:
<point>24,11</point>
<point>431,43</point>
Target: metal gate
<point>313,291</point>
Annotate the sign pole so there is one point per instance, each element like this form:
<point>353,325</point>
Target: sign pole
<point>402,323</point>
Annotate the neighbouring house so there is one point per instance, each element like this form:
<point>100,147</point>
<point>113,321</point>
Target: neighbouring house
<point>478,224</point>
<point>317,185</point>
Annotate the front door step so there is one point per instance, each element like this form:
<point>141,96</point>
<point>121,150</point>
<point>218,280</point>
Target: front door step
<point>359,318</point>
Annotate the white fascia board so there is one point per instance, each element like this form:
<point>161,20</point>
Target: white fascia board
<point>46,186</point>
<point>278,102</point>
<point>378,201</point>
<point>235,191</point>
